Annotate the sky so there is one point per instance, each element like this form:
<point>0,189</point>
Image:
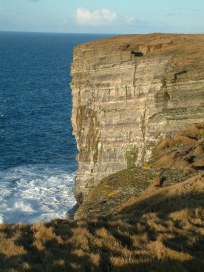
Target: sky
<point>102,16</point>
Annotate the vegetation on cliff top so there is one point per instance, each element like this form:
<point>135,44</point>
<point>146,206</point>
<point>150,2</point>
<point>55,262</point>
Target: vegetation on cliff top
<point>161,229</point>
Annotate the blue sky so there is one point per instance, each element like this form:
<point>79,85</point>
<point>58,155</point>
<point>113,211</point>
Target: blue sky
<point>97,16</point>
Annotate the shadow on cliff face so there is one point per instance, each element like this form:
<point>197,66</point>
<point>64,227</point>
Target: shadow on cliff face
<point>160,231</point>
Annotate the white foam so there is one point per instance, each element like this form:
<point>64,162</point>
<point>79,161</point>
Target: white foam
<point>32,193</point>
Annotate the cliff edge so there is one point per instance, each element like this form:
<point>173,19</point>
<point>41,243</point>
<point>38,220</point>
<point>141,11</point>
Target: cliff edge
<point>129,92</point>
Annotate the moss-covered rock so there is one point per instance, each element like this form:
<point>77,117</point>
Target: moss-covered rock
<point>131,156</point>
<point>121,186</point>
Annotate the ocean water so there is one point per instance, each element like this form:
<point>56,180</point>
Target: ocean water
<point>37,149</point>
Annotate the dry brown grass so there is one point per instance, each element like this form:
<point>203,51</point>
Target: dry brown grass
<point>182,150</point>
<point>162,230</point>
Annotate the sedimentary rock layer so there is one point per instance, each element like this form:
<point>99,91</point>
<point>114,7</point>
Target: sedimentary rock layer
<point>124,104</point>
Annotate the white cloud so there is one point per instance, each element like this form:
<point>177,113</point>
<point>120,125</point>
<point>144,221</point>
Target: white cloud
<point>96,17</point>
<point>131,19</point>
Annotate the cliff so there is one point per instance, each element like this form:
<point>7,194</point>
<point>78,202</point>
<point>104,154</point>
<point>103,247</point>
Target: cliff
<point>144,116</point>
<point>123,104</point>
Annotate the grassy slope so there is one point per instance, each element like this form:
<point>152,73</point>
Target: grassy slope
<point>162,229</point>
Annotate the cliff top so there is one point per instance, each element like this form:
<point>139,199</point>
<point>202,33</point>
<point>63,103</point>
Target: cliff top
<point>187,51</point>
<point>143,39</point>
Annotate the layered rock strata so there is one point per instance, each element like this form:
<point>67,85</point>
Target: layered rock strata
<point>124,104</point>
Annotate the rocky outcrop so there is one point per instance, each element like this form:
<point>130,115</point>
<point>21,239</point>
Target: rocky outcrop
<point>174,160</point>
<point>124,104</point>
<point>114,190</point>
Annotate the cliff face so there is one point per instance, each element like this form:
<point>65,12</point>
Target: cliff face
<point>123,104</point>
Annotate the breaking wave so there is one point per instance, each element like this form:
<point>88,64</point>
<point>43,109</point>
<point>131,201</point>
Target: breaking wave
<point>35,192</point>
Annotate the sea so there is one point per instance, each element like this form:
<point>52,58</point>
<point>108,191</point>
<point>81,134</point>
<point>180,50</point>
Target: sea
<point>37,149</point>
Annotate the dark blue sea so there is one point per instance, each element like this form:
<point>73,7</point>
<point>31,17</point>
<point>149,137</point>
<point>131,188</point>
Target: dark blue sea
<point>37,149</point>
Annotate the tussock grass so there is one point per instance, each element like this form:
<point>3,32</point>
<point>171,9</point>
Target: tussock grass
<point>185,149</point>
